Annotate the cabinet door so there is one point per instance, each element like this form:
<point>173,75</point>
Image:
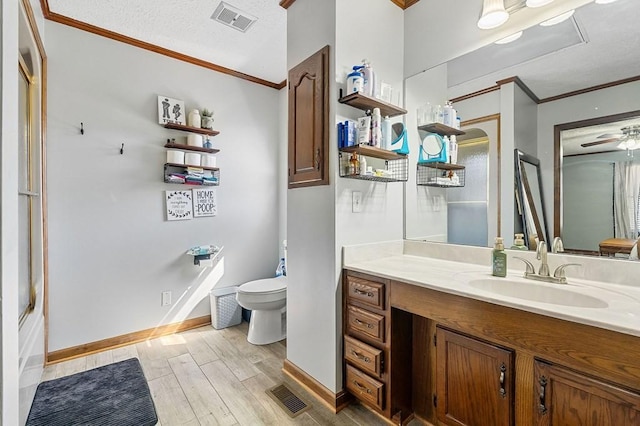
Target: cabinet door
<point>309,121</point>
<point>474,381</point>
<point>564,397</point>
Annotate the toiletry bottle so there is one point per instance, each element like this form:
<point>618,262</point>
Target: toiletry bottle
<point>369,78</point>
<point>355,80</point>
<point>386,133</point>
<point>453,150</point>
<point>354,165</point>
<point>518,243</point>
<point>376,131</point>
<point>499,259</point>
<point>363,165</point>
<point>447,114</point>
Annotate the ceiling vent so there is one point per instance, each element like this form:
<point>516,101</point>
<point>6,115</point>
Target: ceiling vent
<point>233,17</point>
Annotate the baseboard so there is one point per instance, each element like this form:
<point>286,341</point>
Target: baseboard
<point>335,401</point>
<point>125,339</point>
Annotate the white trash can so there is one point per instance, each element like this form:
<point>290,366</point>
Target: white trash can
<point>225,311</point>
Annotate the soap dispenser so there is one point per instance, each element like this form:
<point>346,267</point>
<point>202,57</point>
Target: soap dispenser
<point>499,259</point>
<point>518,243</point>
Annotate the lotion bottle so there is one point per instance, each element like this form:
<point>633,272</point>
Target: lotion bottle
<point>386,133</point>
<point>499,259</point>
<point>376,131</point>
<point>369,78</point>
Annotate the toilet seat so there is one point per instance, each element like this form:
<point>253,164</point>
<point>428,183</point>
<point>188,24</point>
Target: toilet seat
<point>265,286</point>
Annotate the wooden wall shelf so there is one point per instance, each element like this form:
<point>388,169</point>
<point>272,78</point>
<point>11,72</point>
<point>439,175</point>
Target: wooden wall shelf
<point>441,129</point>
<point>372,151</point>
<point>184,166</point>
<point>367,103</point>
<point>190,148</point>
<point>191,129</point>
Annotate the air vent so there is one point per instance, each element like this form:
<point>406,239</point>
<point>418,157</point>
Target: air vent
<point>233,17</point>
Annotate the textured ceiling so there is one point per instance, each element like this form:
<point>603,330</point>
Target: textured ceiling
<point>186,27</point>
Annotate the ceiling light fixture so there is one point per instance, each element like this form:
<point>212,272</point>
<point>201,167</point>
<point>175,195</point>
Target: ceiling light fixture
<point>604,1</point>
<point>538,3</point>
<point>556,20</point>
<point>509,39</point>
<point>493,14</point>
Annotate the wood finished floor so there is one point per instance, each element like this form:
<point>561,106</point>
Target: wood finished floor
<point>215,377</point>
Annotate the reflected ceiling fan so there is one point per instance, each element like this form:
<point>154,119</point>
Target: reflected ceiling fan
<point>629,138</point>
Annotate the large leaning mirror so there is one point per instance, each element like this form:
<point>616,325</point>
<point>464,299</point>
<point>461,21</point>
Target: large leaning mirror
<point>529,200</point>
<point>577,70</point>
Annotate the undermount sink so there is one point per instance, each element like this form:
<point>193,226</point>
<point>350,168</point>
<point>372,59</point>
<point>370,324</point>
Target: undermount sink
<point>538,293</point>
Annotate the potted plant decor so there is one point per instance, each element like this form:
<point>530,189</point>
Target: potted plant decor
<point>207,119</point>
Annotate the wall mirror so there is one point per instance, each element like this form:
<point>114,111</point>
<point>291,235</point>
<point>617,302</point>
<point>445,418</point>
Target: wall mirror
<point>552,62</point>
<point>598,173</point>
<point>529,200</point>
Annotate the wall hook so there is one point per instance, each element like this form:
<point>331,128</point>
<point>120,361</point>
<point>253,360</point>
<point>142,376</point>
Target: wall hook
<point>81,128</point>
<point>122,149</point>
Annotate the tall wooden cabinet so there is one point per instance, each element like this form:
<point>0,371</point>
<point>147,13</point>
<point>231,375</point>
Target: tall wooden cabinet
<point>309,121</point>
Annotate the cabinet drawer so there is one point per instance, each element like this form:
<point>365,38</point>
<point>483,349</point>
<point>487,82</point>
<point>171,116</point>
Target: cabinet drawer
<point>365,357</point>
<point>365,388</point>
<point>369,292</point>
<point>365,322</point>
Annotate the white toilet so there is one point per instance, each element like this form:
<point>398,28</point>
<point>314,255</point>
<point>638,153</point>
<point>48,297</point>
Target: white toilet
<point>267,301</point>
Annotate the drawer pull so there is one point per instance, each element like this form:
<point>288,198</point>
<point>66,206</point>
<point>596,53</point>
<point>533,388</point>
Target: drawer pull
<point>360,356</point>
<point>362,292</point>
<point>362,388</point>
<point>542,408</point>
<point>357,321</point>
<point>503,391</point>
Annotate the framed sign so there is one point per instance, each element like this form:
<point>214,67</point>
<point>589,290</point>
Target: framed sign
<point>179,205</point>
<point>170,111</point>
<point>204,202</point>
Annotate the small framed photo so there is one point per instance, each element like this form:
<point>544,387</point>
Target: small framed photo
<point>179,205</point>
<point>204,202</point>
<point>171,111</point>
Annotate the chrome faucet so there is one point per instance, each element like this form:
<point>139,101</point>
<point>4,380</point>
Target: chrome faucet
<point>541,255</point>
<point>558,277</point>
<point>557,246</point>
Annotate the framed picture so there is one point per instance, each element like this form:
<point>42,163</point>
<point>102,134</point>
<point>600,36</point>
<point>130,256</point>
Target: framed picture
<point>179,205</point>
<point>204,202</point>
<point>171,111</point>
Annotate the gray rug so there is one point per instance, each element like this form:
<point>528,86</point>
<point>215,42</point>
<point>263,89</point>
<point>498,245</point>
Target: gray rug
<point>113,395</point>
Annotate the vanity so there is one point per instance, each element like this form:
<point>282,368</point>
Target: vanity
<point>446,343</point>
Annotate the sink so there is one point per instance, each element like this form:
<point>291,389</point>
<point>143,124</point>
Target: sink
<point>538,293</point>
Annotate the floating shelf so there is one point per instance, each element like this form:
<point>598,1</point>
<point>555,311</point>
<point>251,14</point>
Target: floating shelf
<point>372,151</point>
<point>190,148</point>
<point>440,175</point>
<point>182,127</point>
<point>366,103</point>
<point>441,129</point>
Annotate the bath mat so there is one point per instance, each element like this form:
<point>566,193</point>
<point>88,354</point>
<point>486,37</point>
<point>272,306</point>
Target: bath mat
<point>287,400</point>
<point>113,395</point>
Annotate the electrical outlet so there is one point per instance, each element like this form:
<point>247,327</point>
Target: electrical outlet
<point>166,298</point>
<point>356,202</point>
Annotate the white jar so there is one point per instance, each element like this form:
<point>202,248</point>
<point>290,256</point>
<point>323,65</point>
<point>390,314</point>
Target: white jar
<point>194,119</point>
<point>194,139</point>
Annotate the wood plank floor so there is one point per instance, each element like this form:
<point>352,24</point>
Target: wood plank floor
<point>215,377</point>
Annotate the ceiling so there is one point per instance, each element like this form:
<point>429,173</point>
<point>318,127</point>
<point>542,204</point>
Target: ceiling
<point>186,27</point>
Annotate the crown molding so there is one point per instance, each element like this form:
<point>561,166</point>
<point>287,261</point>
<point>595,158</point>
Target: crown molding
<point>65,20</point>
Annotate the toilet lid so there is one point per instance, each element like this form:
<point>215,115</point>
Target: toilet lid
<point>269,285</point>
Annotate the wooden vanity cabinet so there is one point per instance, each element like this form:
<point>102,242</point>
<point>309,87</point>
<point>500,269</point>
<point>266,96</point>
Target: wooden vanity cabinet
<point>370,330</point>
<point>474,381</point>
<point>565,397</point>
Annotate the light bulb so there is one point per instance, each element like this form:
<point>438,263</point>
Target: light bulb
<point>509,39</point>
<point>558,19</point>
<point>493,14</point>
<point>622,145</point>
<point>539,3</point>
<point>632,144</point>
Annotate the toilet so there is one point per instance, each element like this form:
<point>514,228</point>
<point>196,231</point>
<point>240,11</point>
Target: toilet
<point>266,299</point>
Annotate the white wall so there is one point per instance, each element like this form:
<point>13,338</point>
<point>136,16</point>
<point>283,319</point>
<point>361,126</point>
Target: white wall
<point>311,293</point>
<point>9,412</point>
<point>111,251</point>
<point>614,100</point>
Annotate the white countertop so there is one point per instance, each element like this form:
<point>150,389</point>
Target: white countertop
<point>622,311</point>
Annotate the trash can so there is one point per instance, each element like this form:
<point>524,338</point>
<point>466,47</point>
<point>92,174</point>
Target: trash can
<point>225,311</point>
